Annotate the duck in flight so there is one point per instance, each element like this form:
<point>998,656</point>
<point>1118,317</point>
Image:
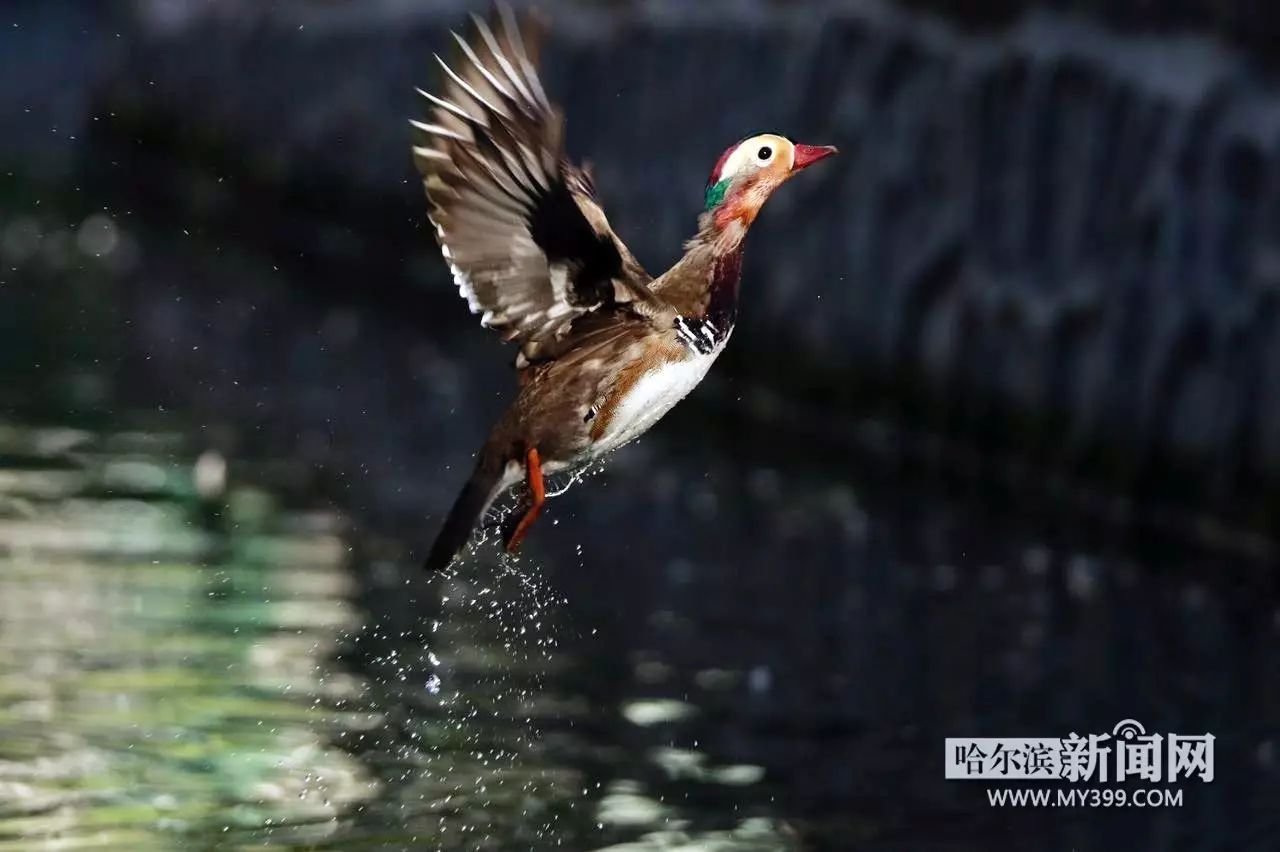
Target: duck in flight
<point>605,349</point>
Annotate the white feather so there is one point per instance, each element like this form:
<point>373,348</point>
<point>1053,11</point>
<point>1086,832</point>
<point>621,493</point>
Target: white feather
<point>654,395</point>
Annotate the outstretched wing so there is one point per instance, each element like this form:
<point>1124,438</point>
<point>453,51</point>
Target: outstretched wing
<point>528,244</point>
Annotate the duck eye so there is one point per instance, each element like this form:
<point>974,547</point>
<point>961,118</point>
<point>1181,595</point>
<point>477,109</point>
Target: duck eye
<point>765,153</point>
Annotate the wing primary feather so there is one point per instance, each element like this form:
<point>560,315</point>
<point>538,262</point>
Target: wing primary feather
<point>469,190</point>
<point>449,106</point>
<point>516,40</point>
<point>479,66</point>
<point>499,57</point>
<point>470,90</point>
<point>437,130</point>
<point>479,222</point>
<point>474,196</point>
<point>502,182</point>
<point>511,149</point>
<point>479,183</point>
<point>478,128</point>
<point>431,154</point>
<point>533,166</point>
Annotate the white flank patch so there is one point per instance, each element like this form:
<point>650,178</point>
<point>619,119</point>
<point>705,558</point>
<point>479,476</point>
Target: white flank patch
<point>654,395</point>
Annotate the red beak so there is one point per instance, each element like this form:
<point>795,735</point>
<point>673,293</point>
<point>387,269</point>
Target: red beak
<point>807,155</point>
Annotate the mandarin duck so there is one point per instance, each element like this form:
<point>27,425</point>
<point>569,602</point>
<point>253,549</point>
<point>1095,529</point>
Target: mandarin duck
<point>605,349</point>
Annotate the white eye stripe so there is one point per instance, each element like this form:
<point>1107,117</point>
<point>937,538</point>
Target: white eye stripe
<point>734,164</point>
<point>748,154</point>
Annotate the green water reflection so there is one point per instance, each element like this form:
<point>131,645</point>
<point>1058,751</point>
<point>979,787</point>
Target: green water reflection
<point>162,657</point>
<point>187,664</point>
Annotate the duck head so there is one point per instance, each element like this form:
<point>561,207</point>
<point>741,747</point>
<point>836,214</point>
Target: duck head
<point>748,173</point>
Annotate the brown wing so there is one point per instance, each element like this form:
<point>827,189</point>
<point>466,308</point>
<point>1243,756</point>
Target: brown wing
<point>527,242</point>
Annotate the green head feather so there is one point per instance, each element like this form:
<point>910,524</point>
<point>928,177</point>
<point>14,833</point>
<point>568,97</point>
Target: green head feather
<point>715,194</point>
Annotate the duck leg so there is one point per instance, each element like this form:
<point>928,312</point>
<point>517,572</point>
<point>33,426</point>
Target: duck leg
<point>537,496</point>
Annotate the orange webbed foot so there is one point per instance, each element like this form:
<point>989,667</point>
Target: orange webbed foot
<point>537,496</point>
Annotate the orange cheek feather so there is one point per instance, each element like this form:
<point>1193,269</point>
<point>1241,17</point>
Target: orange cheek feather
<point>746,202</point>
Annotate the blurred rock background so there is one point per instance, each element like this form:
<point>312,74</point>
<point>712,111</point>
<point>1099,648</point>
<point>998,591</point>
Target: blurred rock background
<point>1051,233</point>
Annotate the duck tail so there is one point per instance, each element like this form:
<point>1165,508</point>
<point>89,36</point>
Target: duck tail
<point>477,495</point>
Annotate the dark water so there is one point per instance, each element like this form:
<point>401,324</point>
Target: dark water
<point>193,663</point>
